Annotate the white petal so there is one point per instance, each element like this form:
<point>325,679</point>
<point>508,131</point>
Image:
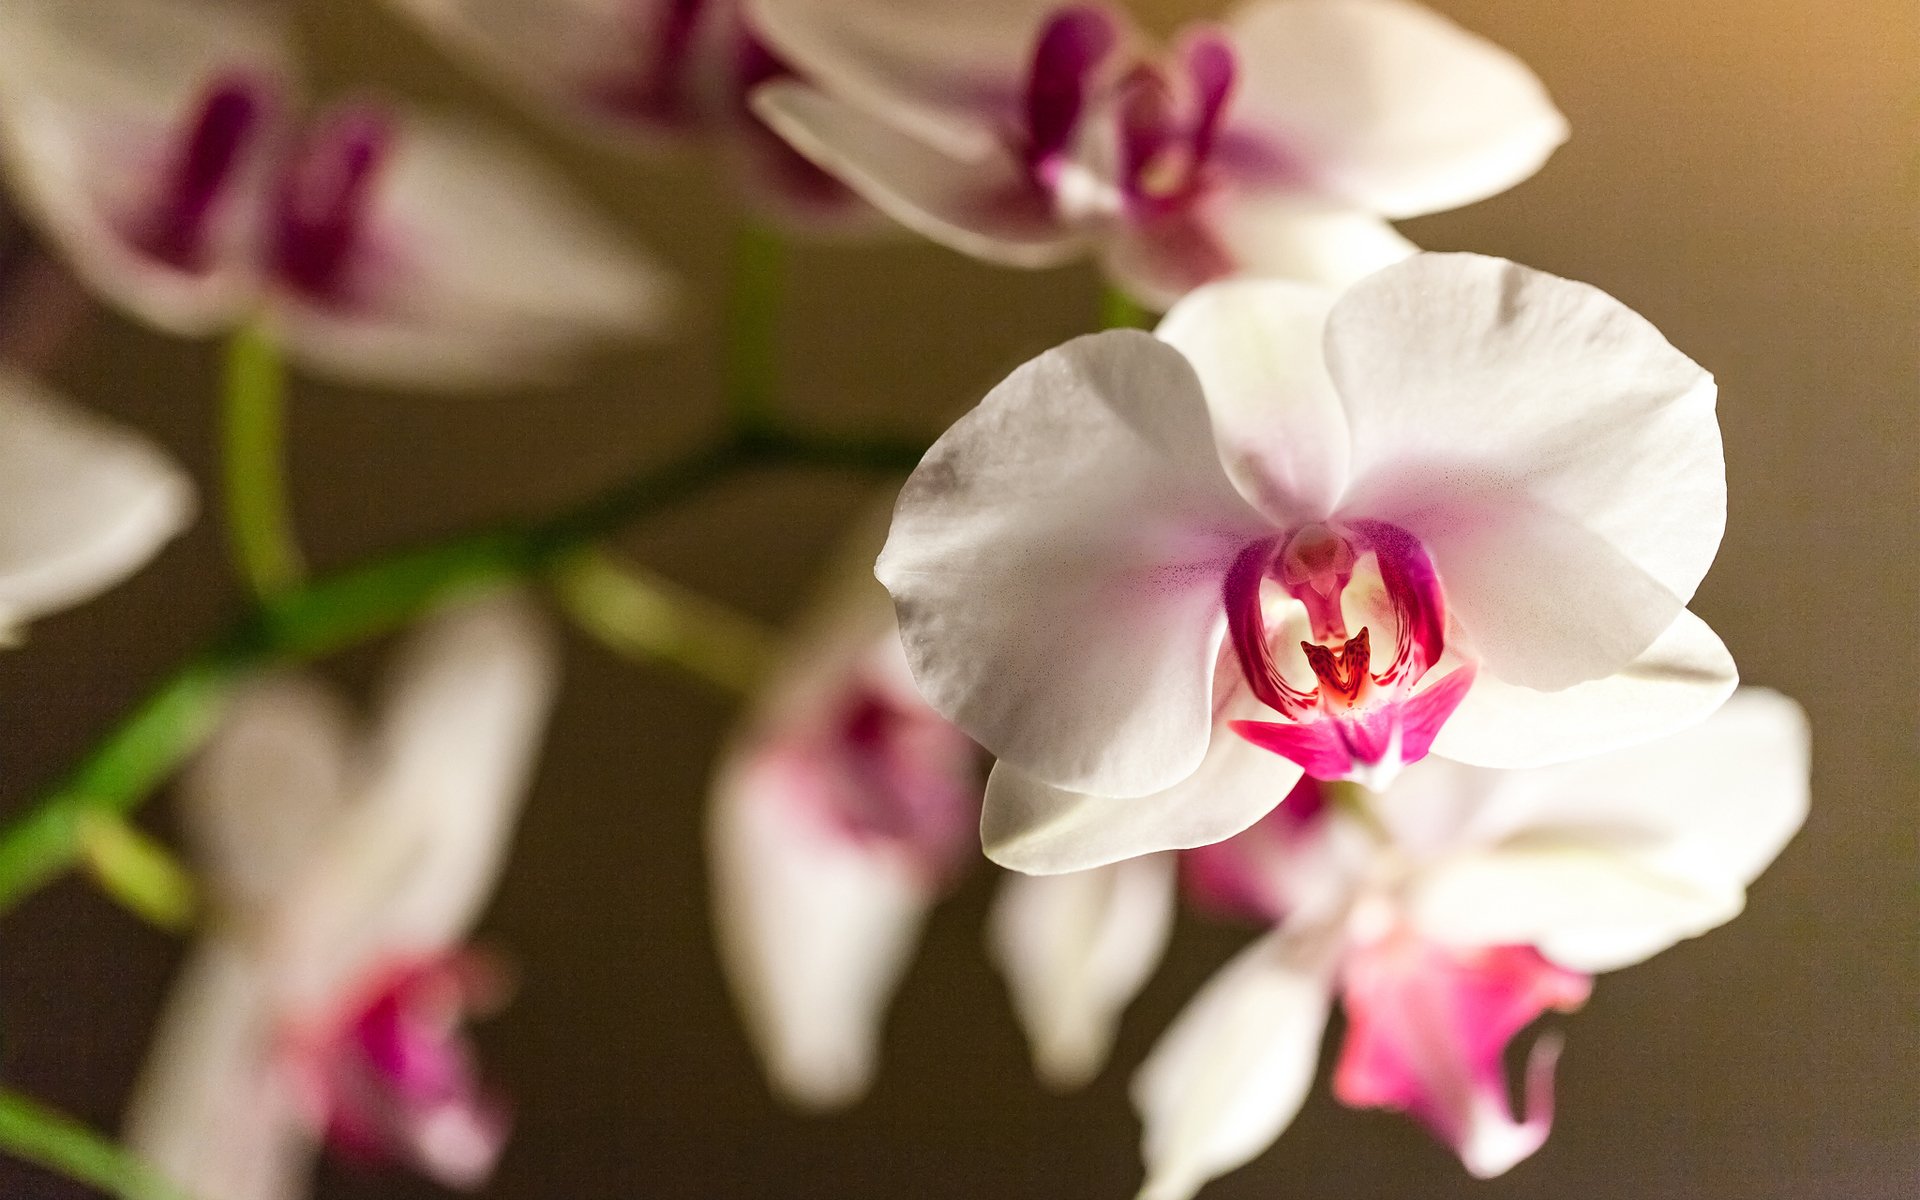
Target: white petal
<point>83,503</point>
<point>93,95</point>
<point>1030,827</point>
<point>1257,350</point>
<point>982,207</point>
<point>815,930</point>
<point>1287,236</point>
<point>949,74</point>
<point>413,863</point>
<point>1057,561</point>
<point>1076,949</point>
<point>1480,392</point>
<point>1604,862</point>
<point>488,270</point>
<point>211,1111</point>
<point>1389,105</point>
<point>1235,1067</point>
<point>264,794</point>
<point>1681,679</point>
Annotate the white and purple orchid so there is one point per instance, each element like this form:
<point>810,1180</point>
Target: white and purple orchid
<point>162,149</point>
<point>326,1000</point>
<point>649,71</point>
<point>83,503</point>
<point>1460,508</point>
<point>1446,915</point>
<point>843,811</point>
<point>1280,143</point>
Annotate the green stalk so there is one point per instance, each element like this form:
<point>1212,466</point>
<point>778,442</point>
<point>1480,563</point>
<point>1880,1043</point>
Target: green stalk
<point>31,1131</point>
<point>1121,311</point>
<point>329,614</point>
<point>253,455</point>
<point>753,318</point>
<point>642,615</point>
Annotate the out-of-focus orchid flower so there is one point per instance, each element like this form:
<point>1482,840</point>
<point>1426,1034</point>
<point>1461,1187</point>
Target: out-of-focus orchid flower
<point>842,812</point>
<point>1465,905</point>
<point>326,999</point>
<point>83,504</point>
<point>649,71</point>
<point>1030,132</point>
<point>161,147</point>
<point>1461,508</point>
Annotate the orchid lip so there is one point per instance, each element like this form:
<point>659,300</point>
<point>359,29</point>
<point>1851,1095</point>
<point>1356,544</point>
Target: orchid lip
<point>1361,718</point>
<point>228,120</point>
<point>322,203</point>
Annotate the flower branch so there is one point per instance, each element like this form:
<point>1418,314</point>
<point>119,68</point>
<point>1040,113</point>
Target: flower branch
<point>38,1134</point>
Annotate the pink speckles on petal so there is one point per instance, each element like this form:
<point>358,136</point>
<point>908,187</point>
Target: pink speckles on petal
<point>1426,1030</point>
<point>394,1081</point>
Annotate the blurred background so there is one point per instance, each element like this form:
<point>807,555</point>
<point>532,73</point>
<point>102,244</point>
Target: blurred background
<point>1743,172</point>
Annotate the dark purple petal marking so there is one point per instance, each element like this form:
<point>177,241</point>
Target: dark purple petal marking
<point>322,202</point>
<point>1073,44</point>
<point>1247,630</point>
<point>201,170</point>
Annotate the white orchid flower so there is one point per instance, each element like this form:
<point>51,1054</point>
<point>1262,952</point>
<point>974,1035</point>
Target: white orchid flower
<point>83,503</point>
<point>843,811</point>
<point>1459,508</point>
<point>1030,132</point>
<point>1467,904</point>
<point>161,147</point>
<point>647,72</point>
<point>325,1000</point>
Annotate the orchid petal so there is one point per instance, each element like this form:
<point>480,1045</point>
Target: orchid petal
<point>1607,861</point>
<point>1681,679</point>
<point>1057,562</point>
<point>1257,350</point>
<point>1427,1031</point>
<point>1234,1068</point>
<point>209,1111</point>
<point>816,929</point>
<point>1076,949</point>
<point>982,207</point>
<point>263,794</point>
<point>944,74</point>
<point>1289,236</point>
<point>438,297</point>
<point>95,98</point>
<point>83,503</point>
<point>413,862</point>
<point>1499,413</point>
<point>1390,106</point>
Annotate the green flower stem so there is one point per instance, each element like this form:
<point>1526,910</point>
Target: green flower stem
<point>753,318</point>
<point>253,463</point>
<point>1121,311</point>
<point>639,614</point>
<point>329,614</point>
<point>31,1131</point>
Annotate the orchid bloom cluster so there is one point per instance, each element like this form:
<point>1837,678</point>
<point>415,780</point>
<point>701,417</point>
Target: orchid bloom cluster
<point>1351,601</point>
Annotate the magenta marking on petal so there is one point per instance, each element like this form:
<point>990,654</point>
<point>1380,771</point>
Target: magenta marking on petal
<point>1243,878</point>
<point>1427,1028</point>
<point>394,1080</point>
<point>1423,714</point>
<point>229,118</point>
<point>1073,44</point>
<point>1212,68</point>
<point>1419,603</point>
<point>1316,745</point>
<point>323,202</point>
<point>1247,630</point>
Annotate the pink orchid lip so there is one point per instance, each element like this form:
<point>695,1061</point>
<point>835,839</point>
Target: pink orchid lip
<point>202,168</point>
<point>392,1080</point>
<point>894,774</point>
<point>322,201</point>
<point>1166,137</point>
<point>1427,1032</point>
<point>1356,721</point>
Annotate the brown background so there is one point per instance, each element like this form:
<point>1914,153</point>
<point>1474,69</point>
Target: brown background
<point>1742,172</point>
